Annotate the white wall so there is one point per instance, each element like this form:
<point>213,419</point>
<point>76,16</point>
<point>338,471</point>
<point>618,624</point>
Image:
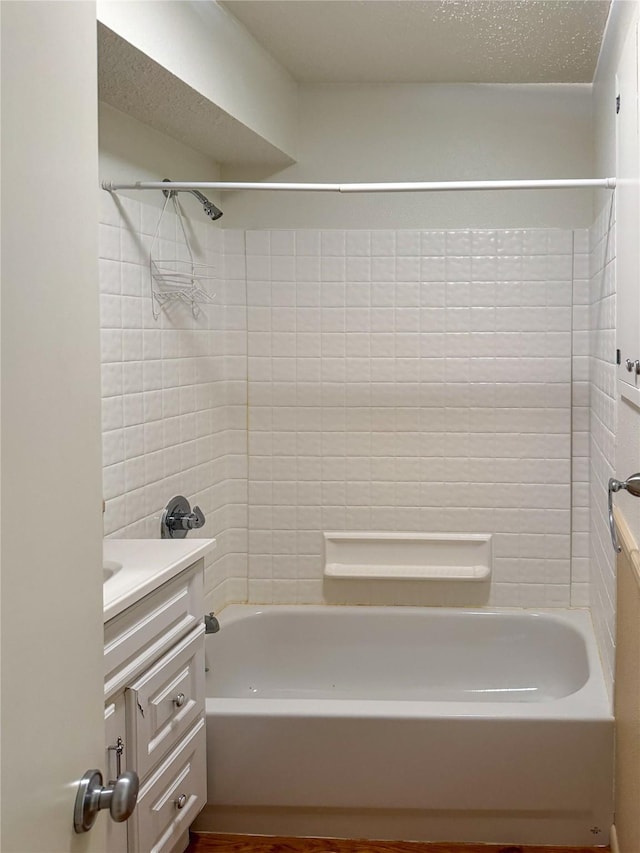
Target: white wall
<point>205,47</point>
<point>423,132</point>
<point>132,151</point>
<point>623,17</point>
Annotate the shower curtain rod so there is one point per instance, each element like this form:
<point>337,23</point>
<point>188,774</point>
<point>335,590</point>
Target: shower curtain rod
<point>404,187</point>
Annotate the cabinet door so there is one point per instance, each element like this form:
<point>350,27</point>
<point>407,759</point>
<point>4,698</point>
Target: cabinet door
<point>114,724</point>
<point>165,702</point>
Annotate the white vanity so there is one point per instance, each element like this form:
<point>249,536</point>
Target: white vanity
<point>154,687</point>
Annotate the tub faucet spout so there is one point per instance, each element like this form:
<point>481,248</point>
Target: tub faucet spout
<point>211,624</point>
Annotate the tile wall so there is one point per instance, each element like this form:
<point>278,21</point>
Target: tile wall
<point>174,390</point>
<point>396,380</point>
<point>406,380</point>
<point>580,451</point>
<point>603,431</point>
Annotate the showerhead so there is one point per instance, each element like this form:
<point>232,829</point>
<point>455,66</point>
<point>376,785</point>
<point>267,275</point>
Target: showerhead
<point>211,210</point>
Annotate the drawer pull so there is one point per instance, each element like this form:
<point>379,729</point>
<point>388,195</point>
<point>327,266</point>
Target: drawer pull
<point>180,700</point>
<point>181,801</point>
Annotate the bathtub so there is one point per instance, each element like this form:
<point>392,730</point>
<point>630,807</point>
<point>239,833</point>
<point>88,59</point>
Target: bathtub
<point>408,723</point>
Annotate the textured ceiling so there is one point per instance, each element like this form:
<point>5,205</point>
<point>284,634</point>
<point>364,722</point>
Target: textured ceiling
<point>439,41</point>
<point>132,82</point>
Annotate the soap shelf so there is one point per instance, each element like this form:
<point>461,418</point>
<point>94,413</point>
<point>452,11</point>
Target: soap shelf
<point>408,556</point>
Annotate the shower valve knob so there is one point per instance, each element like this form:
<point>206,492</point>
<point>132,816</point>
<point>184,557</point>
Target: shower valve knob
<point>178,518</point>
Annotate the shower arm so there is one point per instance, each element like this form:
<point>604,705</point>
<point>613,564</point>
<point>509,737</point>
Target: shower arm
<point>201,198</point>
<point>210,209</point>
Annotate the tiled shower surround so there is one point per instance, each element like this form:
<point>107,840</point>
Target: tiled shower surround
<point>602,312</point>
<point>174,392</point>
<point>416,381</point>
<point>390,380</point>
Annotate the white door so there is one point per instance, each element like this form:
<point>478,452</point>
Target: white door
<point>627,201</point>
<point>627,245</point>
<point>51,713</point>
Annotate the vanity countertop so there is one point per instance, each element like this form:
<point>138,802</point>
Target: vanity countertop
<point>142,565</point>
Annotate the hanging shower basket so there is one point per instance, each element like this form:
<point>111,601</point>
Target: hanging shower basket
<point>178,280</point>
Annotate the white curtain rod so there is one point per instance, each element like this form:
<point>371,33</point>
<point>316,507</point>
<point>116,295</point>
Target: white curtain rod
<point>405,187</point>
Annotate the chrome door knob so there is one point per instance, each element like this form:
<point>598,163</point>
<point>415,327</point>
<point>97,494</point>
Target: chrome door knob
<point>120,797</point>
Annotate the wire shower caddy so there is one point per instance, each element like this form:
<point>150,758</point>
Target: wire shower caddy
<point>176,280</point>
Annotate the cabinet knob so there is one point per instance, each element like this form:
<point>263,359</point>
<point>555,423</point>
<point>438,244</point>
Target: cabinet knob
<point>633,366</point>
<point>179,700</point>
<point>181,801</point>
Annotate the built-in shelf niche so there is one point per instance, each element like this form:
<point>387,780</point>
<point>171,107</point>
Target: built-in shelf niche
<point>408,556</point>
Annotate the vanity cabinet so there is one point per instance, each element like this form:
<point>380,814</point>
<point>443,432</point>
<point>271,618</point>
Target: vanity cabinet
<point>154,702</point>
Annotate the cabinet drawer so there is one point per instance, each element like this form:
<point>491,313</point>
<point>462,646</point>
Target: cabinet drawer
<point>165,701</point>
<point>158,822</point>
<point>137,637</point>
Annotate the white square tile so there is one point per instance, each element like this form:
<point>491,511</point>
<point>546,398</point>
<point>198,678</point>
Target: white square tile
<point>383,243</point>
<point>458,243</point>
<point>258,242</point>
<point>332,243</point>
<point>408,269</point>
<point>432,269</point>
<point>358,243</point>
<point>110,311</point>
<point>433,243</point>
<point>283,242</point>
<point>308,243</point>
<point>358,269</point>
<point>109,242</point>
<point>408,243</point>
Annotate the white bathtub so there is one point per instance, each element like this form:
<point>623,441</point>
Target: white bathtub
<point>408,723</point>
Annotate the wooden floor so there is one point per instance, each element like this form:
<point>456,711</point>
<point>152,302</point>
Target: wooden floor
<point>214,843</point>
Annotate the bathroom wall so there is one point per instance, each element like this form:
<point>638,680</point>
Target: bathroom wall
<point>407,380</point>
<point>132,151</point>
<point>580,422</point>
<point>407,132</point>
<point>340,141</point>
<point>173,389</point>
<point>397,380</point>
<point>211,53</point>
